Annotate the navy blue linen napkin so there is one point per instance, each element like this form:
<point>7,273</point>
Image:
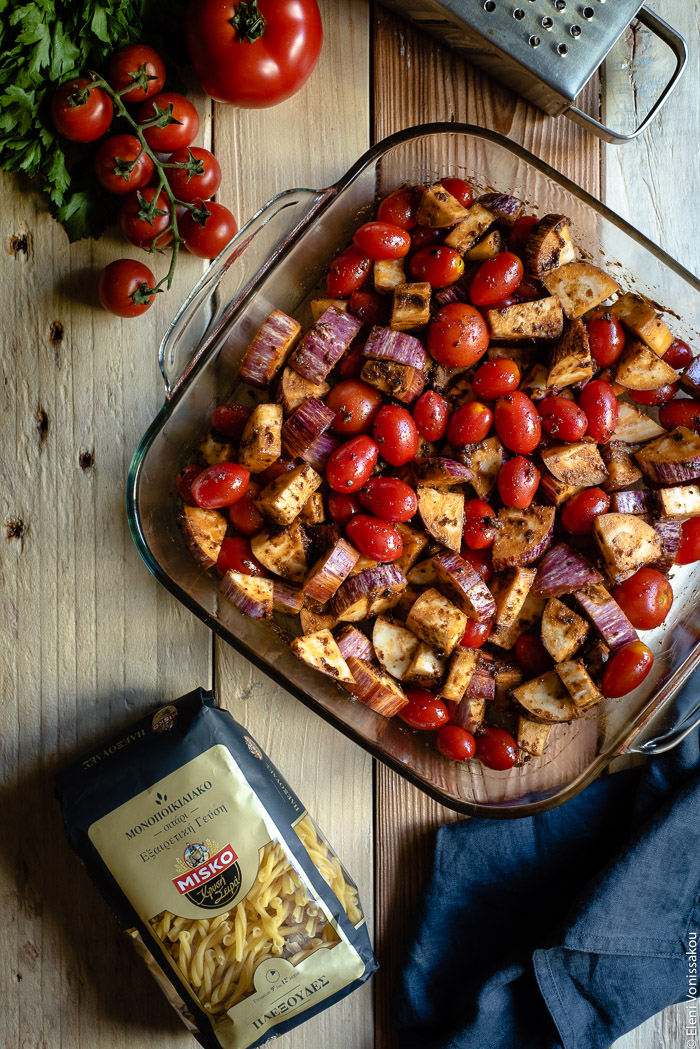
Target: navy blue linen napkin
<point>563,930</point>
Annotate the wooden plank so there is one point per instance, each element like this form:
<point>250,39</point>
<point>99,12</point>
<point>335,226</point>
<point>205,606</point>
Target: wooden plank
<point>264,152</point>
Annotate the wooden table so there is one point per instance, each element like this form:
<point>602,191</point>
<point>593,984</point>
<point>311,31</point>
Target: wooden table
<point>90,640</point>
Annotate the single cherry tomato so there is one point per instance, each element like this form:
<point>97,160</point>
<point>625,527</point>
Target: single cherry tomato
<point>520,231</point>
<point>599,402</point>
<point>400,207</point>
<point>351,362</point>
<point>479,524</point>
<point>626,669</point>
<point>342,507</point>
<point>376,539</point>
<point>198,175</point>
<point>124,288</point>
<point>389,498</point>
<point>396,435</point>
<point>562,418</point>
<point>495,279</point>
<point>275,470</point>
<point>382,240</point>
<point>244,514</point>
<point>230,420</point>
<point>502,304</point>
<point>347,273</point>
<point>355,405</point>
<point>645,598</point>
<point>121,164</point>
<point>350,465</point>
<point>517,422</point>
<point>459,189</point>
<point>455,743</point>
<point>530,289</point>
<point>236,556</point>
<point>658,396</point>
<point>678,355</point>
<point>438,265</point>
<point>689,548</point>
<point>496,748</point>
<point>606,337</point>
<point>469,424</point>
<point>423,710</point>
<point>531,655</point>
<point>80,111</point>
<point>476,634</point>
<point>430,414</point>
<point>684,411</point>
<point>207,231</point>
<point>480,560</point>
<point>518,480</point>
<point>494,379</point>
<point>183,483</point>
<point>220,485</point>
<point>144,218</point>
<point>579,512</point>
<point>370,307</point>
<point>177,122</point>
<point>137,65</point>
<point>425,237</point>
<point>457,336</point>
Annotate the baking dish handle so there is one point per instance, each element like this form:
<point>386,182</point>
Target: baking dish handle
<point>666,728</point>
<point>207,309</point>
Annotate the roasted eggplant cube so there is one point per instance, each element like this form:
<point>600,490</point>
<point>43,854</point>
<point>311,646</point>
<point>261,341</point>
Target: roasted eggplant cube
<point>213,451</point>
<point>459,673</point>
<point>487,248</point>
<point>540,319</point>
<point>635,426</point>
<point>563,631</point>
<point>458,580</point>
<point>375,689</point>
<point>442,514</point>
<point>532,736</point>
<point>578,464</point>
<point>622,470</point>
<point>571,361</point>
<point>436,620</point>
<point>626,542</point>
<point>271,345</point>
<point>394,645</point>
<point>426,669</point>
<point>327,574</point>
<point>438,208</point>
<point>261,443</point>
<point>414,543</point>
<point>484,459</point>
<point>639,368</point>
<point>522,536</point>
<point>510,592</point>
<point>680,502</point>
<point>319,306</point>
<point>583,690</point>
<point>549,245</point>
<point>472,227</point>
<point>294,389</point>
<point>545,698</point>
<point>396,380</point>
<point>251,595</point>
<point>321,652</point>
<point>579,287</point>
<point>388,274</point>
<point>323,346</point>
<point>283,551</point>
<point>410,309</point>
<point>284,498</point>
<point>204,532</point>
<point>673,458</point>
<point>643,321</point>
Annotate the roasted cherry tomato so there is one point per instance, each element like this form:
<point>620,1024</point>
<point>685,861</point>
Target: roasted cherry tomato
<point>244,514</point>
<point>370,307</point>
<point>457,336</point>
<point>425,237</point>
<point>382,240</point>
<point>230,420</point>
<point>494,379</point>
<point>626,669</point>
<point>496,748</point>
<point>389,498</point>
<point>80,111</point>
<point>144,220</point>
<point>658,396</point>
<point>518,480</point>
<point>355,405</point>
<point>476,634</point>
<point>121,164</point>
<point>645,598</point>
<point>599,402</point>
<point>495,279</point>
<point>177,122</point>
<point>480,560</point>
<point>531,655</point>
<point>123,288</point>
<point>350,465</point>
<point>678,355</point>
<point>459,189</point>
<point>430,414</point>
<point>530,289</point>
<point>606,337</point>
<point>439,266</point>
<point>378,540</point>
<point>562,418</point>
<point>342,507</point>
<point>236,556</point>
<point>183,483</point>
<point>198,175</point>
<point>396,435</point>
<point>469,424</point>
<point>423,710</point>
<point>206,237</point>
<point>140,66</point>
<point>347,273</point>
<point>455,743</point>
<point>520,231</point>
<point>684,411</point>
<point>579,512</point>
<point>220,485</point>
<point>517,422</point>
<point>689,548</point>
<point>275,470</point>
<point>479,524</point>
<point>352,361</point>
<point>400,207</point>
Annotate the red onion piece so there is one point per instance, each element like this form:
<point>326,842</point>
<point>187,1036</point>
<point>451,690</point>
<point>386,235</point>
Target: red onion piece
<point>323,346</point>
<point>606,615</point>
<point>352,642</point>
<point>388,345</point>
<point>563,571</point>
<point>320,450</point>
<point>506,208</point>
<point>287,599</point>
<point>269,349</point>
<point>304,426</point>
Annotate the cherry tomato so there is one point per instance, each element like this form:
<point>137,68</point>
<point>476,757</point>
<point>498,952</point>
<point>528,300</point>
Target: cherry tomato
<point>370,307</point>
<point>198,178</point>
<point>517,422</point>
<point>396,435</point>
<point>457,336</point>
<point>351,362</point>
<point>350,465</point>
<point>494,379</point>
<point>423,710</point>
<point>80,111</point>
<point>139,65</point>
<point>682,412</point>
<point>645,598</point>
<point>425,237</point>
<point>123,288</point>
<point>178,122</point>
<point>220,485</point>
<point>389,498</point>
<point>479,524</point>
<point>382,240</point>
<point>355,405</point>
<point>244,514</point>
<point>658,396</point>
<point>689,548</point>
<point>230,420</point>
<point>579,512</point>
<point>531,655</point>
<point>518,480</point>
<point>121,165</point>
<point>342,507</point>
<point>469,424</point>
<point>183,482</point>
<point>606,337</point>
<point>400,207</point>
<point>626,669</point>
<point>430,414</point>
<point>236,556</point>
<point>347,273</point>
<point>476,634</point>
<point>529,289</point>
<point>455,743</point>
<point>678,355</point>
<point>562,418</point>
<point>460,190</point>
<point>144,220</point>
<point>599,402</point>
<point>495,279</point>
<point>206,239</point>
<point>480,560</point>
<point>496,748</point>
<point>520,231</point>
<point>275,470</point>
<point>376,539</point>
<point>439,266</point>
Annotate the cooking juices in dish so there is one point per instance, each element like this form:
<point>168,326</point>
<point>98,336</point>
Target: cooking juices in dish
<point>441,476</point>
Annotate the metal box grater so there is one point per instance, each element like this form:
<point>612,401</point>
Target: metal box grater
<point>546,50</point>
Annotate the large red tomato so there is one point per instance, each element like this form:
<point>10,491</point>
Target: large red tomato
<point>253,54</point>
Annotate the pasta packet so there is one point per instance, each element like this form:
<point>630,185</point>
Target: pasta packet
<point>214,868</point>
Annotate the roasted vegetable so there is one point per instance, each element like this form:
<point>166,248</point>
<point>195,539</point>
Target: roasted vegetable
<point>438,208</point>
<point>204,532</point>
<point>532,736</point>
<point>679,502</point>
<point>571,361</point>
<point>442,514</point>
<point>549,245</point>
<point>271,345</point>
<point>410,309</point>
<point>522,536</point>
<point>294,390</point>
<point>438,621</point>
<point>323,346</point>
<point>578,683</point>
<point>606,615</point>
<point>394,645</point>
<point>639,368</point>
<point>261,443</point>
<point>578,464</point>
<point>622,470</point>
<point>563,631</point>
<point>467,232</point>
<point>672,458</point>
<point>563,571</point>
<point>252,595</point>
<point>388,274</point>
<point>330,571</point>
<point>375,689</point>
<point>426,669</point>
<point>484,460</point>
<point>545,698</point>
<point>282,552</point>
<point>397,380</point>
<point>461,669</point>
<point>540,319</point>
<point>461,584</point>
<point>284,498</point>
<point>633,426</point>
<point>579,287</point>
<point>319,306</point>
<point>213,451</point>
<point>321,652</point>
<point>643,321</point>
<point>626,543</point>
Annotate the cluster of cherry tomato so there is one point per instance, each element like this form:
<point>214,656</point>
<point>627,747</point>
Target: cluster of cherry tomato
<point>166,182</point>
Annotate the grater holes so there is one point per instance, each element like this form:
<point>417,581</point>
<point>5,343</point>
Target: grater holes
<point>560,5</point>
<point>547,23</point>
<point>534,41</point>
<point>489,6</point>
<point>575,31</point>
<point>519,14</point>
<point>588,13</point>
<point>562,50</point>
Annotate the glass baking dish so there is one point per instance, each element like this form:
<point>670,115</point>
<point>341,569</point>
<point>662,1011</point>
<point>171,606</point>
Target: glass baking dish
<point>276,260</point>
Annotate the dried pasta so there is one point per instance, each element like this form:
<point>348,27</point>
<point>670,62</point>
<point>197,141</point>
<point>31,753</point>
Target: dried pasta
<point>328,866</point>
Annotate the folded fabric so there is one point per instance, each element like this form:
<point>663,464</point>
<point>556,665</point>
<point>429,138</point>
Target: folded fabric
<point>562,930</point>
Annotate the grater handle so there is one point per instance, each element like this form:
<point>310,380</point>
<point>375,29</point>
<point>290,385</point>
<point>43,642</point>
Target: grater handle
<point>680,49</point>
